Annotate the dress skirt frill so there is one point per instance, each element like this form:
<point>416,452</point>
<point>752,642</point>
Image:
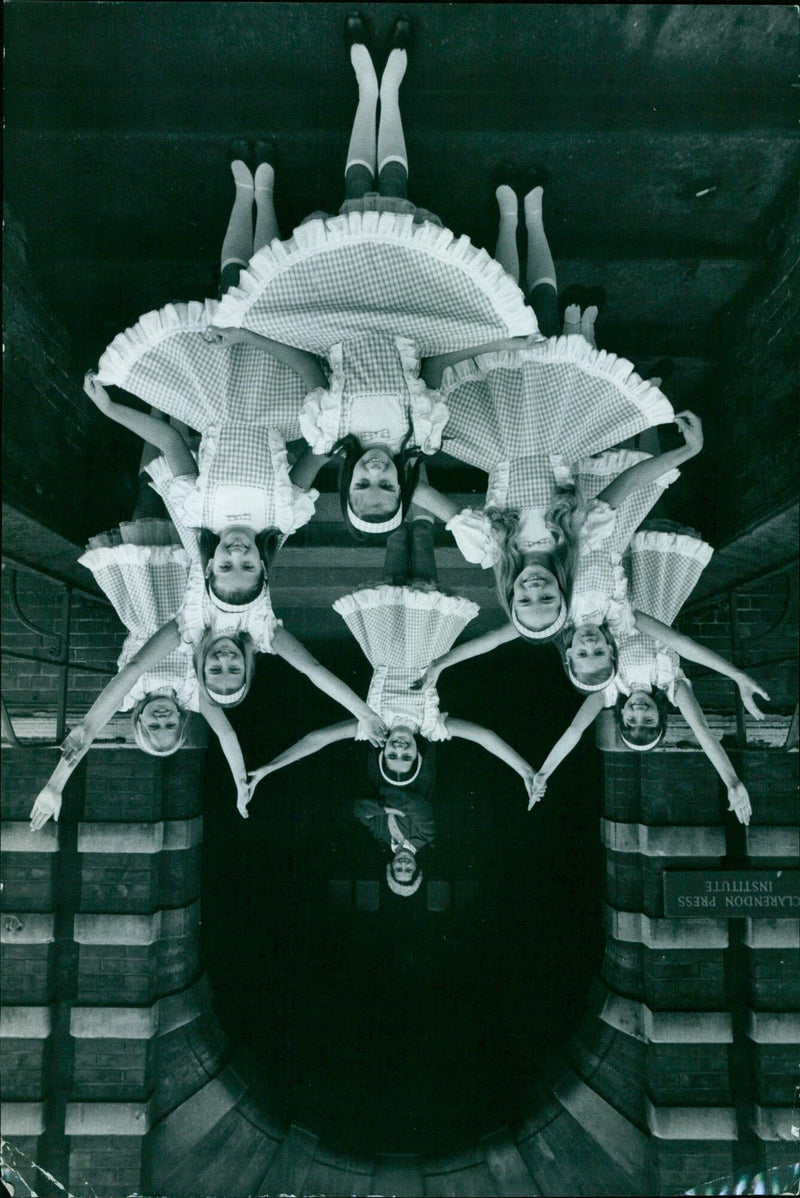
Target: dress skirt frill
<point>143,571</point>
<point>376,268</point>
<point>512,411</point>
<point>166,361</point>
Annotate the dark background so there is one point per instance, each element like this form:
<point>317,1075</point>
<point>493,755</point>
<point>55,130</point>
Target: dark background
<point>414,1029</point>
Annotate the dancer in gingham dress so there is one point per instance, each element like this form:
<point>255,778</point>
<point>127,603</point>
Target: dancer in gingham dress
<point>374,289</point>
<point>536,552</point>
<point>664,569</point>
<point>143,569</point>
<point>599,610</point>
<point>401,624</point>
<point>240,500</point>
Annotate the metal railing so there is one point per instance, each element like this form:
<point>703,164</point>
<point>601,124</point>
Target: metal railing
<point>743,650</point>
<point>56,643</point>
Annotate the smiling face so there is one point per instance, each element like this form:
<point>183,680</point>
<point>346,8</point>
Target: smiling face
<point>236,569</point>
<point>404,867</point>
<point>400,751</point>
<point>590,655</point>
<point>640,712</point>
<point>537,598</point>
<point>374,488</point>
<point>224,667</point>
<point>160,719</point>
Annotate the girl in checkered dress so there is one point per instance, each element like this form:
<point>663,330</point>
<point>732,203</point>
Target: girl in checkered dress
<point>599,610</point>
<point>374,290</point>
<point>401,625</point>
<point>536,552</point>
<point>240,500</point>
<point>664,569</point>
<point>143,568</point>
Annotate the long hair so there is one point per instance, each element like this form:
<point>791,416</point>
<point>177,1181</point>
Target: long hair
<point>267,544</point>
<point>244,642</point>
<point>592,681</point>
<point>643,738</point>
<point>560,519</point>
<point>142,735</point>
<point>348,450</point>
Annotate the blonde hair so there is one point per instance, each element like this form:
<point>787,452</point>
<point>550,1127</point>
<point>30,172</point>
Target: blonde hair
<point>244,642</point>
<point>142,735</point>
<point>563,519</point>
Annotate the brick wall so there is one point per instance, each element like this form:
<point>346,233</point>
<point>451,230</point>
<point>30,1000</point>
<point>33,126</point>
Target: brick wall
<point>113,1070</point>
<point>749,465</point>
<point>63,462</point>
<point>767,614</point>
<point>110,1164</point>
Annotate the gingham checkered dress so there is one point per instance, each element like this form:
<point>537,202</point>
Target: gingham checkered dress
<point>337,277</point>
<point>600,586</point>
<point>243,401</point>
<point>665,568</point>
<point>143,572</point>
<point>511,411</point>
<point>376,393</point>
<point>401,631</point>
<point>198,613</point>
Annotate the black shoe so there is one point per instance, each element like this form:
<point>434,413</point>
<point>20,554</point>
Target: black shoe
<point>266,151</point>
<point>574,294</point>
<point>240,149</point>
<point>594,295</point>
<point>401,35</point>
<point>357,32</point>
<point>662,369</point>
<point>506,174</point>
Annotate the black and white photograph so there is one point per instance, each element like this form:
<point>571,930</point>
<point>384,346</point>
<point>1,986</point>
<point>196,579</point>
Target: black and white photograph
<point>400,600</point>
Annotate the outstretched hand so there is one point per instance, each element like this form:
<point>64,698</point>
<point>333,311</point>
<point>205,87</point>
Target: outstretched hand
<point>224,336</point>
<point>47,806</point>
<point>254,777</point>
<point>748,689</point>
<point>739,802</point>
<point>534,784</point>
<point>244,793</point>
<point>428,680</point>
<point>372,728</point>
<point>97,392</point>
<point>692,430</point>
<point>74,744</point>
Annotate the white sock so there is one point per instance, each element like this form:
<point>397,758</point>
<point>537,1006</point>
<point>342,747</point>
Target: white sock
<point>540,267</point>
<point>391,142</point>
<point>362,149</point>
<point>506,252</point>
<point>237,245</point>
<point>588,317</point>
<point>266,221</point>
<point>572,320</point>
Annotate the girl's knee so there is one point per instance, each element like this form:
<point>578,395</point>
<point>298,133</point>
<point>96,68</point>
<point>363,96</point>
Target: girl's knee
<point>358,180</point>
<point>544,301</point>
<point>393,180</point>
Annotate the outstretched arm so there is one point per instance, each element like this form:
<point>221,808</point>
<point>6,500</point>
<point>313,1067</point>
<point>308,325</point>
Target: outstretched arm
<point>463,652</point>
<point>433,368</point>
<point>685,647</point>
<point>152,430</point>
<point>307,467</point>
<point>588,711</point>
<point>692,712</point>
<point>426,496</point>
<point>311,743</point>
<point>79,741</point>
<point>299,360</point>
<point>495,745</point>
<point>217,720</point>
<point>645,473</point>
<point>290,649</point>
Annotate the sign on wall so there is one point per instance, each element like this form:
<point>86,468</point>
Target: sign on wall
<point>732,893</point>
